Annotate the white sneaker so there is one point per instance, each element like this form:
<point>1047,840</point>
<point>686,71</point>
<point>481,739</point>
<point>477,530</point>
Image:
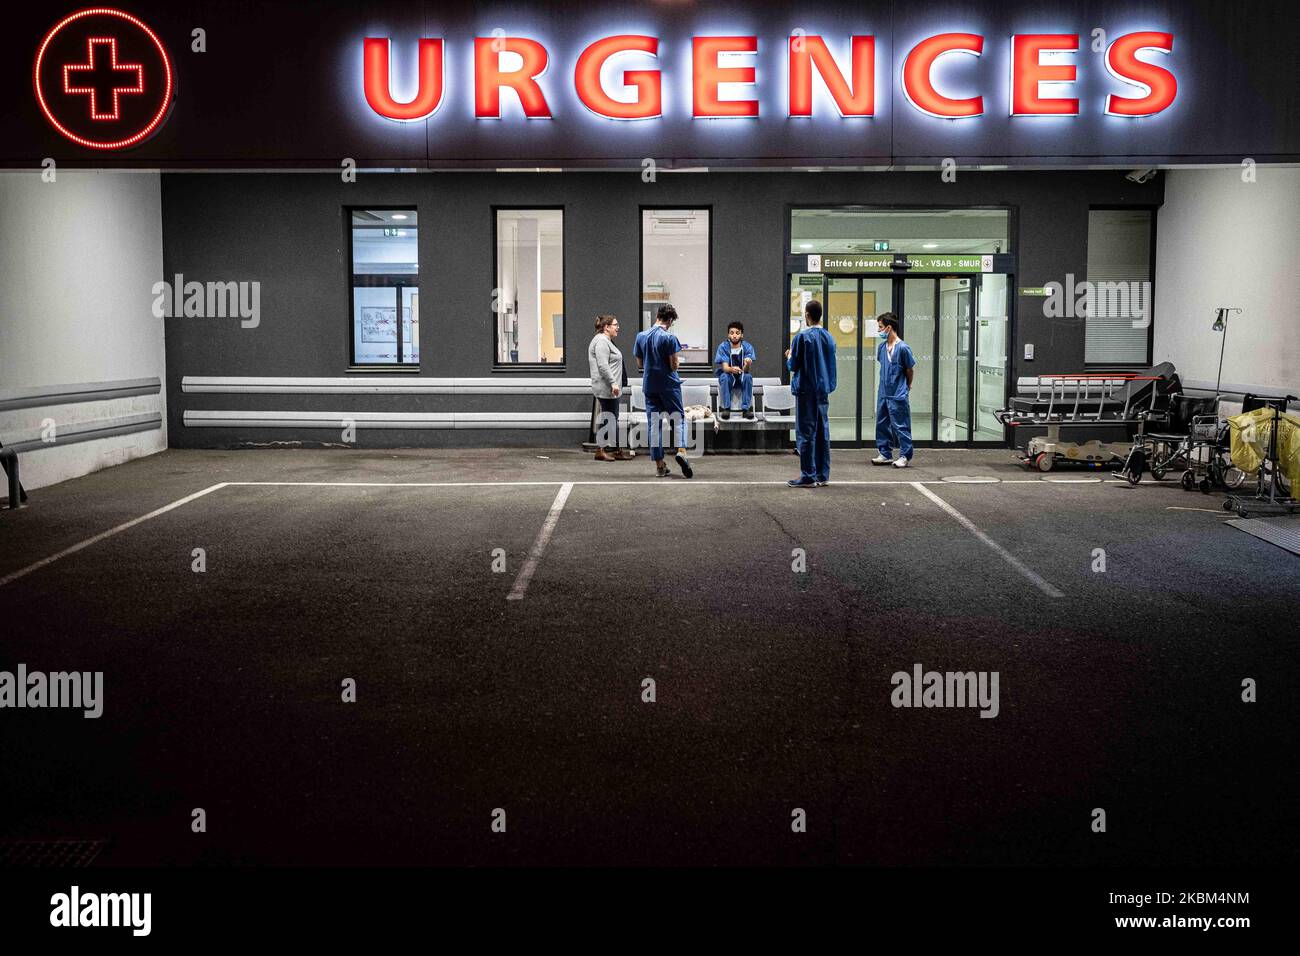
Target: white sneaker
<point>881,460</point>
<point>901,463</point>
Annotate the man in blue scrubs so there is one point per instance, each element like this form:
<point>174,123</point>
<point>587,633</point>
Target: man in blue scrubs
<point>893,410</point>
<point>732,363</point>
<point>657,356</point>
<point>811,360</point>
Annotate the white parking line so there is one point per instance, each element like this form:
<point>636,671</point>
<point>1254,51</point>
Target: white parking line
<point>9,578</point>
<point>543,538</point>
<point>645,482</point>
<point>1006,555</point>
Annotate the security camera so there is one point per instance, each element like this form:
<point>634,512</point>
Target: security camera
<point>1141,175</point>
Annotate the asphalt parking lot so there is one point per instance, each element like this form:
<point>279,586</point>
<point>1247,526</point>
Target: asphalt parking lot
<point>521,687</point>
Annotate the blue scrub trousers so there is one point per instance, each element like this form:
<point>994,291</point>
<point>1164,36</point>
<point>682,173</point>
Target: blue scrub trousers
<point>665,403</point>
<point>727,382</point>
<point>894,427</point>
<point>813,436</point>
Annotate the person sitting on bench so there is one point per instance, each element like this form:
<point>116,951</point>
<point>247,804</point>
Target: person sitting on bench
<point>732,363</point>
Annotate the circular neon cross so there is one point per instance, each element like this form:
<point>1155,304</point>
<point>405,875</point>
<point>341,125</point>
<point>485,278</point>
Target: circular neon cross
<point>83,68</point>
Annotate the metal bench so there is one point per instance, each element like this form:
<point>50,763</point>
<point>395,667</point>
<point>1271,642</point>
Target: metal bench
<point>778,405</point>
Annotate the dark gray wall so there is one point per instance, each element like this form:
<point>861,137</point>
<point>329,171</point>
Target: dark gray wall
<point>287,231</point>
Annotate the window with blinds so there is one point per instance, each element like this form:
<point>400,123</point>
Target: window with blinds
<point>1119,293</point>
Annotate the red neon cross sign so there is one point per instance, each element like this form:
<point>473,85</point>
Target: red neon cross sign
<point>102,81</point>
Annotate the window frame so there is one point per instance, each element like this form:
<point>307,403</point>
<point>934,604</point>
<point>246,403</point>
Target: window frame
<point>1154,211</point>
<point>350,264</point>
<point>707,365</point>
<point>531,368</point>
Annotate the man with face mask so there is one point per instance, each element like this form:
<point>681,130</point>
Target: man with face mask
<point>893,410</point>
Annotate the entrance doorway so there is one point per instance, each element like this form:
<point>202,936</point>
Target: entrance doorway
<point>958,329</point>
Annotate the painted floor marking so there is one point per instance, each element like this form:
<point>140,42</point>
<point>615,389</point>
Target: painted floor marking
<point>9,578</point>
<point>648,480</point>
<point>1006,555</point>
<point>539,546</point>
<point>563,495</point>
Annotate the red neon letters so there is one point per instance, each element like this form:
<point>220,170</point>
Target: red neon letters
<point>1122,62</point>
<point>1035,58</point>
<point>1028,70</point>
<point>916,75</point>
<point>649,93</point>
<point>379,93</point>
<point>489,77</point>
<point>856,100</point>
<point>707,74</point>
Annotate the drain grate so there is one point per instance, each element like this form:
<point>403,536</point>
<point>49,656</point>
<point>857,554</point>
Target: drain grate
<point>1283,532</point>
<point>49,853</point>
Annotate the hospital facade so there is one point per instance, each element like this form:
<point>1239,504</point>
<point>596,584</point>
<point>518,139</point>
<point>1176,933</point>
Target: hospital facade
<point>407,216</point>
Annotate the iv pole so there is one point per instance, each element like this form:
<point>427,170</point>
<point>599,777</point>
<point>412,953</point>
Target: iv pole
<point>1221,325</point>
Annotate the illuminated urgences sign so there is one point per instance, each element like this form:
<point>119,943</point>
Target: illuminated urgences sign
<point>103,79</point>
<point>1037,59</point>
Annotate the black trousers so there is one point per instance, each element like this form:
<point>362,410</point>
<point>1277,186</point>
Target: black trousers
<point>14,486</point>
<point>599,406</point>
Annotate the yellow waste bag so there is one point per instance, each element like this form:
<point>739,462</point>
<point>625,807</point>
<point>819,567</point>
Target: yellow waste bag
<point>1251,433</point>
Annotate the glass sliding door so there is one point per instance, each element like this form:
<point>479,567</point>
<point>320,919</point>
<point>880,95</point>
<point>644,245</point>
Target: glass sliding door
<point>990,357</point>
<point>957,328</point>
<point>948,275</point>
<point>842,318</point>
<point>877,297</point>
<point>953,368</point>
<point>920,300</point>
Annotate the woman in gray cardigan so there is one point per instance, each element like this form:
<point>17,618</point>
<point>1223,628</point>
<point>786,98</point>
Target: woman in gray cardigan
<point>608,379</point>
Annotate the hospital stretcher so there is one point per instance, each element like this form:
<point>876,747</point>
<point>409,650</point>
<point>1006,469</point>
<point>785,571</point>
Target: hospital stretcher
<point>1126,404</point>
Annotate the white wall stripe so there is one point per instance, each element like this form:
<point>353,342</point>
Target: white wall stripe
<point>409,385</point>
<point>335,420</point>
